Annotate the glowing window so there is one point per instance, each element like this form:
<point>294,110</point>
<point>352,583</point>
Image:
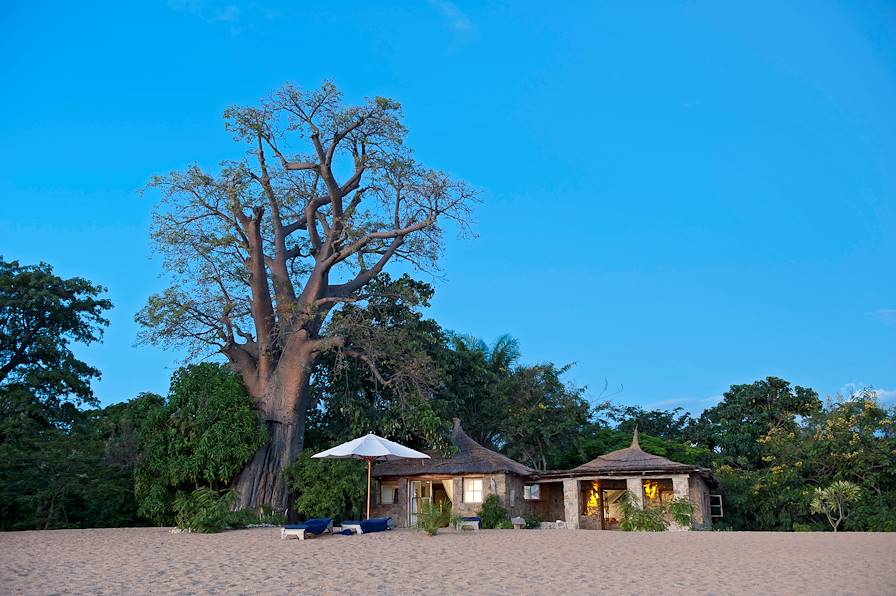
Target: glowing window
<point>658,492</point>
<point>591,499</point>
<point>472,490</point>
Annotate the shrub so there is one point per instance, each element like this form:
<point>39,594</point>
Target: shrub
<point>328,488</point>
<point>656,518</point>
<point>492,514</point>
<point>431,517</point>
<point>504,525</point>
<point>203,510</point>
<point>833,501</point>
<point>246,517</point>
<point>201,438</point>
<point>532,521</point>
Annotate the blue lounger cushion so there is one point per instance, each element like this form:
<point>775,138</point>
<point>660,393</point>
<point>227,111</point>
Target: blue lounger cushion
<point>472,518</point>
<point>317,525</point>
<point>374,524</point>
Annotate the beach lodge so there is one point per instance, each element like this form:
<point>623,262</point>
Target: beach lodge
<point>585,497</point>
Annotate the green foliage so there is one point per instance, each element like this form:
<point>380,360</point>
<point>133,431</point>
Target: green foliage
<point>431,517</point>
<point>200,439</point>
<point>850,439</point>
<point>528,412</point>
<point>40,315</point>
<point>408,350</point>
<point>749,412</point>
<point>54,476</point>
<point>492,514</point>
<point>60,467</point>
<point>206,511</point>
<point>504,524</point>
<point>533,522</point>
<point>670,425</point>
<point>655,518</point>
<point>203,510</point>
<point>834,500</point>
<point>329,488</point>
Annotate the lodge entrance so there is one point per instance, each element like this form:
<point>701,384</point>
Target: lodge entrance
<point>601,500</point>
<point>421,492</point>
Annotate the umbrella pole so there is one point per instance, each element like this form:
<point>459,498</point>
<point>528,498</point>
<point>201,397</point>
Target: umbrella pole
<point>369,466</point>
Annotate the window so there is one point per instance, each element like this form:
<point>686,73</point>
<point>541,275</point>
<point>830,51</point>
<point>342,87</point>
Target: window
<point>715,506</point>
<point>532,492</point>
<point>472,490</point>
<point>658,492</point>
<point>388,492</point>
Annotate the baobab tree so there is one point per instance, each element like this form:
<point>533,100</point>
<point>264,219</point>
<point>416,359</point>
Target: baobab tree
<point>261,252</point>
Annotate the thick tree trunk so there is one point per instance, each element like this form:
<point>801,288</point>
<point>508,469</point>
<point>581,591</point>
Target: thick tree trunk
<point>283,407</point>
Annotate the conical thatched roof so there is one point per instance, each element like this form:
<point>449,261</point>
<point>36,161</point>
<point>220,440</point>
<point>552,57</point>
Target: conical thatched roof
<point>631,459</point>
<point>470,458</point>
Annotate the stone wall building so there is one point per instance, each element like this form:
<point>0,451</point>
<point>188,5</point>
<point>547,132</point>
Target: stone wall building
<point>465,479</point>
<point>585,497</point>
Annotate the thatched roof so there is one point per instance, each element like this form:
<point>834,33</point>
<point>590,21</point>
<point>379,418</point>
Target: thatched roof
<point>470,458</point>
<point>634,459</point>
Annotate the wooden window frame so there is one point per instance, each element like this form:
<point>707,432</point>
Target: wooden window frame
<point>481,491</point>
<point>527,491</point>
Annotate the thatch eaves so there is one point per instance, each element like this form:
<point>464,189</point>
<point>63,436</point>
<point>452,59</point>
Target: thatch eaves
<point>633,459</point>
<point>469,458</point>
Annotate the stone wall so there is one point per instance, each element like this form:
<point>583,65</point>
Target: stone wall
<point>398,511</point>
<point>560,500</point>
<point>699,494</point>
<point>509,489</point>
<point>571,502</point>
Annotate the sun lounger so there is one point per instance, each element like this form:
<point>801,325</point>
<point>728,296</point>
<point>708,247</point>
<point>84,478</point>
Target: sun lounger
<point>469,522</point>
<point>366,526</point>
<point>315,526</point>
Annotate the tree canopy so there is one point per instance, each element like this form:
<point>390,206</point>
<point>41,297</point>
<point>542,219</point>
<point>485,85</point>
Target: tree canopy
<point>262,252</point>
<point>41,314</point>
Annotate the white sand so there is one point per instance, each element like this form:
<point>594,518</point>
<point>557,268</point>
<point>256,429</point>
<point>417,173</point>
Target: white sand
<point>144,560</point>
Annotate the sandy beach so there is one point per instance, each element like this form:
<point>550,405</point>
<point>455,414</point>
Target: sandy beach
<point>152,560</point>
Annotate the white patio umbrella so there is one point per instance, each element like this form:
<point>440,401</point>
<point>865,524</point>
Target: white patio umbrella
<point>370,448</point>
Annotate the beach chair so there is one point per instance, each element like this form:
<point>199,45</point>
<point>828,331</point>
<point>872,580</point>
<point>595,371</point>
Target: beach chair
<point>315,526</point>
<point>366,526</point>
<point>469,522</point>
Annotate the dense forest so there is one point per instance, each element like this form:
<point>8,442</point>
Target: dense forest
<point>779,451</point>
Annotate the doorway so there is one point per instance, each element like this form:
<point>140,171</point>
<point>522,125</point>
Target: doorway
<point>419,492</point>
<point>425,491</point>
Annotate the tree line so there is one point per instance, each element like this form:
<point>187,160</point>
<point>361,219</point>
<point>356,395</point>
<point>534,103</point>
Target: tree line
<point>779,451</point>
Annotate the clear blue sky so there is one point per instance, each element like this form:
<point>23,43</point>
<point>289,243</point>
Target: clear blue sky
<point>678,195</point>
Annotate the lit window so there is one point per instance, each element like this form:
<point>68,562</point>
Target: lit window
<point>472,490</point>
<point>388,492</point>
<point>658,492</point>
<point>532,492</point>
<point>591,499</point>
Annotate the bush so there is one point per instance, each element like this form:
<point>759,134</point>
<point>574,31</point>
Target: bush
<point>328,488</point>
<point>246,517</point>
<point>203,510</point>
<point>532,522</point>
<point>504,525</point>
<point>431,517</point>
<point>655,518</point>
<point>492,514</point>
<point>208,511</point>
<point>201,438</point>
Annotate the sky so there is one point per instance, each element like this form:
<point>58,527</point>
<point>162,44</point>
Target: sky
<point>677,196</point>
